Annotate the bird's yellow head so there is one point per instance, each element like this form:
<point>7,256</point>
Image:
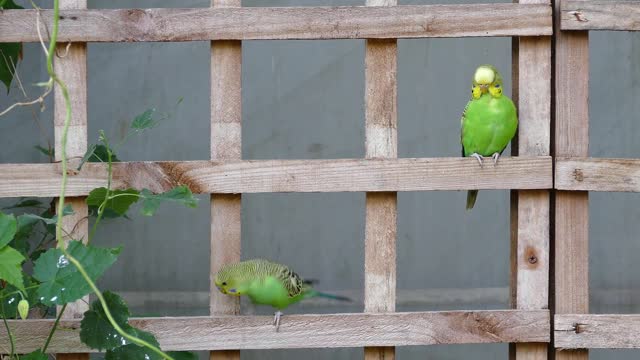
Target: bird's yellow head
<point>225,281</point>
<point>486,79</point>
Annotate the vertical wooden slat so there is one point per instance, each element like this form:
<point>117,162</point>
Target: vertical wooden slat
<point>381,208</point>
<point>571,75</point>
<point>226,143</point>
<point>530,222</point>
<point>70,64</point>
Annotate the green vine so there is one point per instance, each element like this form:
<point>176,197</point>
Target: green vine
<point>64,254</point>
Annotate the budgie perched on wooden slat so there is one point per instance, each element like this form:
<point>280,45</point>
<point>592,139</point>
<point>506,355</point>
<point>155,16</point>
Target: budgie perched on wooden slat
<point>267,283</point>
<point>489,121</point>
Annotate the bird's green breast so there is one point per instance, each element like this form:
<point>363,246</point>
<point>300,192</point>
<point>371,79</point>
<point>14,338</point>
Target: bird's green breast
<point>271,291</point>
<point>488,125</point>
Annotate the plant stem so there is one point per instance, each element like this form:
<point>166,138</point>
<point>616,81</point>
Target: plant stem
<point>53,329</point>
<point>115,325</point>
<point>63,158</point>
<point>6,325</point>
<point>106,196</point>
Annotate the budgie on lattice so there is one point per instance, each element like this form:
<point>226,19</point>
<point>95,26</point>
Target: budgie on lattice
<point>267,283</point>
<point>489,120</point>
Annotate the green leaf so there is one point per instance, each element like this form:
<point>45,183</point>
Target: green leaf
<point>61,281</point>
<point>9,52</point>
<point>180,194</point>
<point>49,152</point>
<point>183,355</point>
<point>97,153</point>
<point>95,329</point>
<point>28,203</point>
<point>11,267</point>
<point>9,56</point>
<point>119,203</point>
<point>8,228</point>
<point>9,298</point>
<point>144,121</point>
<point>68,210</point>
<point>36,355</point>
<point>133,351</point>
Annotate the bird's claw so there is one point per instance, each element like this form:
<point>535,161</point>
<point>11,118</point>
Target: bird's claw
<point>478,157</point>
<point>276,320</point>
<point>495,158</point>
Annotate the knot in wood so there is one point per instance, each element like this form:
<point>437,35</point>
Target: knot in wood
<point>578,175</point>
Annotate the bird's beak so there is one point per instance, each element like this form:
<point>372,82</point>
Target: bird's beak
<point>484,88</point>
<point>221,290</point>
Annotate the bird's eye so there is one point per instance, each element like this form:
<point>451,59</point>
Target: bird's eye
<point>224,284</point>
<point>497,85</point>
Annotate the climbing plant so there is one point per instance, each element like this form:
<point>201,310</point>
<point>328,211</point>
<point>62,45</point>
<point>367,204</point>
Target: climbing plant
<point>43,265</point>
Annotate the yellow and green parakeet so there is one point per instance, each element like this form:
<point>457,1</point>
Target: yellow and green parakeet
<point>267,283</point>
<point>489,120</point>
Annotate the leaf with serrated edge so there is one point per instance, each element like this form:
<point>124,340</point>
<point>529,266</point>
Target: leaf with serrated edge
<point>61,281</point>
<point>68,210</point>
<point>144,121</point>
<point>95,329</point>
<point>11,267</point>
<point>119,204</point>
<point>180,194</point>
<point>36,355</point>
<point>8,228</point>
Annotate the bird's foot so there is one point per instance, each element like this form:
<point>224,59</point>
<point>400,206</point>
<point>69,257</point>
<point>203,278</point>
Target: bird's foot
<point>495,158</point>
<point>478,157</point>
<point>276,320</point>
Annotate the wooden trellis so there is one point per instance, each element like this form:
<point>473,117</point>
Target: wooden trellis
<point>576,174</point>
<point>379,329</point>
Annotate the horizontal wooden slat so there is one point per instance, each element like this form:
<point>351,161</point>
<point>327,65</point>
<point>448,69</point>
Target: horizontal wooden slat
<point>254,23</point>
<point>266,176</point>
<point>588,331</point>
<point>308,331</point>
<point>600,15</point>
<point>598,174</point>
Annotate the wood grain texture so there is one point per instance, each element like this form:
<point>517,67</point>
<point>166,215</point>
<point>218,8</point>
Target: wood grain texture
<point>531,225</point>
<point>580,331</point>
<point>70,65</point>
<point>600,15</point>
<point>381,141</point>
<point>309,331</point>
<point>597,174</point>
<point>571,138</point>
<point>264,176</point>
<point>228,23</point>
<point>226,143</point>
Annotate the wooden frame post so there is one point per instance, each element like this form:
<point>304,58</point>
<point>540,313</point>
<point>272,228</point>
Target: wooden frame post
<point>226,144</point>
<point>381,117</point>
<point>571,81</point>
<point>530,220</point>
<point>71,68</point>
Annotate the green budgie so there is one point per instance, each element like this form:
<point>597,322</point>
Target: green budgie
<point>489,120</point>
<point>267,283</point>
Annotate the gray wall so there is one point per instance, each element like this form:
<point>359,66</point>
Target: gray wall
<point>304,100</point>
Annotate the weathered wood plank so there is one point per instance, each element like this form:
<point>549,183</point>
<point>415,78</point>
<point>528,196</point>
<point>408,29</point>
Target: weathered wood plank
<point>309,331</point>
<point>580,331</point>
<point>571,232</point>
<point>262,23</point>
<point>71,67</point>
<point>226,143</point>
<point>532,220</point>
<point>381,141</point>
<point>600,15</point>
<point>256,176</point>
<point>597,174</point>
